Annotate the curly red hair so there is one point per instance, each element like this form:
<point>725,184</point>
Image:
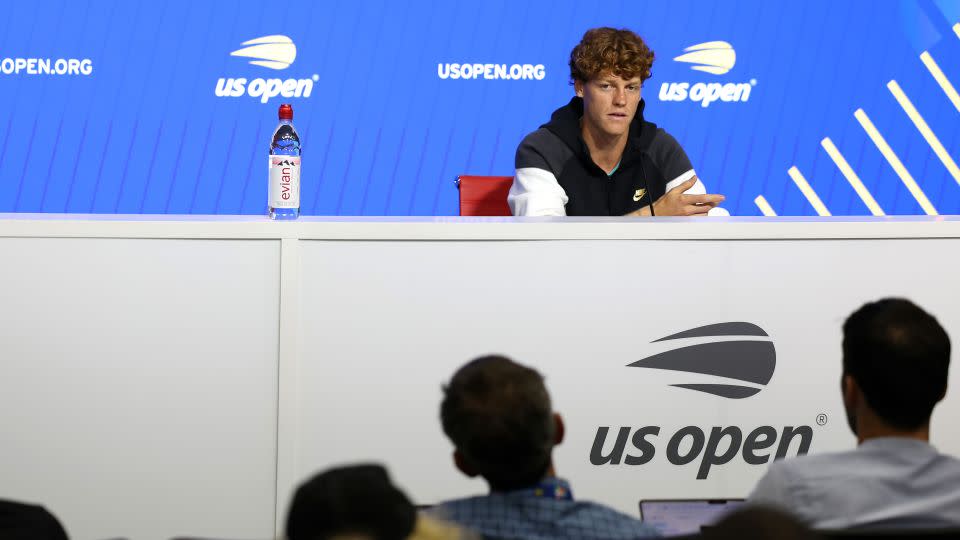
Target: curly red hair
<point>602,50</point>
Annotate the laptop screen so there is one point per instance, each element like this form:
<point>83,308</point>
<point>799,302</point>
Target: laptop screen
<point>679,517</point>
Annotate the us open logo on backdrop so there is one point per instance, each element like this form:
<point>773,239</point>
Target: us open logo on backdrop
<point>731,351</point>
<point>276,53</point>
<point>713,57</point>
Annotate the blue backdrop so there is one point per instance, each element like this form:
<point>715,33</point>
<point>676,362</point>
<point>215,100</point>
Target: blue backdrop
<point>383,131</point>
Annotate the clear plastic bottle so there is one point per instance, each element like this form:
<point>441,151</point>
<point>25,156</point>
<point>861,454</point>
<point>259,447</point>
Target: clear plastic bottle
<point>283,198</point>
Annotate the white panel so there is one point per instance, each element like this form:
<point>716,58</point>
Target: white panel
<point>138,384</point>
<point>139,377</point>
<point>386,323</point>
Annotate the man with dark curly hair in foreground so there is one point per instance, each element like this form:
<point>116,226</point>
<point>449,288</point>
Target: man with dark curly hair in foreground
<point>598,156</point>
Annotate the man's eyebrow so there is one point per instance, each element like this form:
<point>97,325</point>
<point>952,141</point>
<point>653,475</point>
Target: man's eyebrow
<point>613,80</point>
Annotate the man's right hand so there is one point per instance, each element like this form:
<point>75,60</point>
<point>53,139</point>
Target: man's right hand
<point>676,203</point>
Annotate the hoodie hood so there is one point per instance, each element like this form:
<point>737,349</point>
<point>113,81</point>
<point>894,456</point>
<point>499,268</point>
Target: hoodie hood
<point>565,124</point>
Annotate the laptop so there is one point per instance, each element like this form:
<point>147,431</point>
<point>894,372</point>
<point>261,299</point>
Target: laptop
<point>677,517</point>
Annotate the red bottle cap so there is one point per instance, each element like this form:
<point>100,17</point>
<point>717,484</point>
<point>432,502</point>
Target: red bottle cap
<point>286,112</point>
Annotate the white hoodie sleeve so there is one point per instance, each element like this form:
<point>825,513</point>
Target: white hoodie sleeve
<point>536,192</point>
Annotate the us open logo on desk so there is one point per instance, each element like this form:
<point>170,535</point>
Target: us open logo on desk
<point>752,362</point>
<point>271,52</point>
<point>716,58</point>
<point>734,351</point>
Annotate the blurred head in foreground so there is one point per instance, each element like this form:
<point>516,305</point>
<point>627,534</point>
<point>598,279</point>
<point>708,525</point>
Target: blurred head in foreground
<point>359,502</point>
<point>759,523</point>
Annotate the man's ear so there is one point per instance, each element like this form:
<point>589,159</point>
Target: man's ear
<point>851,392</point>
<point>558,429</point>
<point>463,466</point>
<point>578,87</point>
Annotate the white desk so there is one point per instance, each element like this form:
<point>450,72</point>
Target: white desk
<point>166,375</point>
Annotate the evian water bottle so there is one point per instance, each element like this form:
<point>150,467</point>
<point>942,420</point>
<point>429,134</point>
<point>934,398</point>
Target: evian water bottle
<point>284,192</point>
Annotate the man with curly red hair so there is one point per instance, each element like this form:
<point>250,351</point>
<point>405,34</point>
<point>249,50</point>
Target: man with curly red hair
<point>598,156</point>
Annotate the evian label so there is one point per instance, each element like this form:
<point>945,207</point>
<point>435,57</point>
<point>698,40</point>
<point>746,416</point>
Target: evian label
<point>284,181</point>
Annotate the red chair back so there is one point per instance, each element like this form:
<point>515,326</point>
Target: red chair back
<point>484,195</point>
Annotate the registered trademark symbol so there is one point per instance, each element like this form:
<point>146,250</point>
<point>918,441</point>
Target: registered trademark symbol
<point>821,419</point>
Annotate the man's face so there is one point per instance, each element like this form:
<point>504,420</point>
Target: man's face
<point>609,103</point>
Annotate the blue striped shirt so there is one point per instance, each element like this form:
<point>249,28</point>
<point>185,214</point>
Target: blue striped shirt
<point>528,515</point>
